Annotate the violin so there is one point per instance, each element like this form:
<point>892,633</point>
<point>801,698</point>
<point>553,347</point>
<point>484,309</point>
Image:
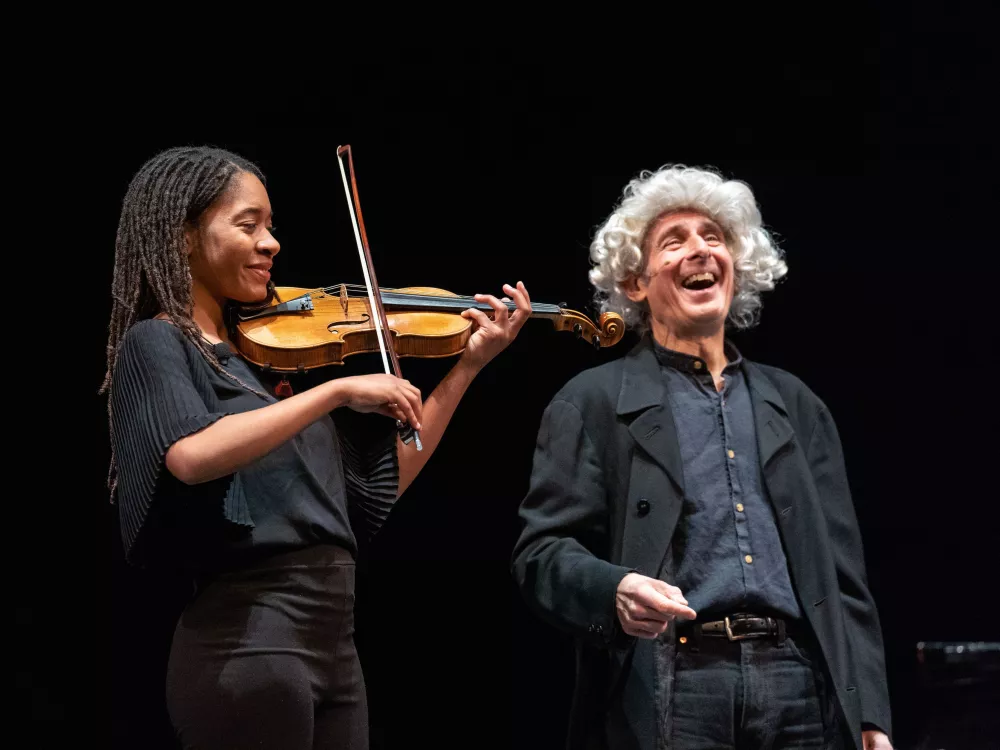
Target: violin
<point>318,327</point>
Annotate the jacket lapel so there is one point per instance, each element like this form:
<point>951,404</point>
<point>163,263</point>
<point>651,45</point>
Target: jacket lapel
<point>770,414</point>
<point>656,477</point>
<point>644,394</point>
<point>791,492</point>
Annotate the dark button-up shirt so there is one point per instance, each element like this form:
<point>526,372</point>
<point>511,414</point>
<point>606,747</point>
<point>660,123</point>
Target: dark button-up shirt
<point>726,549</point>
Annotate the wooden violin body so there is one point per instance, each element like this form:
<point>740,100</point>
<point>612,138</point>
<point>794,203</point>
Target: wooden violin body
<point>331,325</point>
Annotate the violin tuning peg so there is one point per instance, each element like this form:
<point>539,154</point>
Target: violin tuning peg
<point>578,330</point>
<point>596,341</point>
<point>562,305</point>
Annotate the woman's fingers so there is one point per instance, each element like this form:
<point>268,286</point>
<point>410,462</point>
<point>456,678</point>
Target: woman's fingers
<point>500,312</point>
<point>520,295</point>
<point>478,316</point>
<point>409,399</point>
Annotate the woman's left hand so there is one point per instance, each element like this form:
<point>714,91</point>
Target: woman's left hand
<point>492,336</point>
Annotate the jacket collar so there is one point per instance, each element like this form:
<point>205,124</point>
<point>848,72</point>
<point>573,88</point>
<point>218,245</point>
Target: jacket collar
<point>643,403</point>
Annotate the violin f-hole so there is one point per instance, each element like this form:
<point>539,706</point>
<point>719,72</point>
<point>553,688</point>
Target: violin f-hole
<point>365,318</point>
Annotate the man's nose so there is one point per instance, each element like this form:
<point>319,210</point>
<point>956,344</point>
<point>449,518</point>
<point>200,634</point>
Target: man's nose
<point>698,247</point>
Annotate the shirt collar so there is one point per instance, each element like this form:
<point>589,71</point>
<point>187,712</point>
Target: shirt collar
<point>696,365</point>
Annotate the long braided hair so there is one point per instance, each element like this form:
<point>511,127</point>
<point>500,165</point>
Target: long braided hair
<point>152,273</point>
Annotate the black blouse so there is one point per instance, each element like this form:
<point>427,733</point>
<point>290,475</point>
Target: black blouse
<point>324,486</point>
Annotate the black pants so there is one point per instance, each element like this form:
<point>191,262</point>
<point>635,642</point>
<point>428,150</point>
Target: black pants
<point>752,694</point>
<point>265,658</point>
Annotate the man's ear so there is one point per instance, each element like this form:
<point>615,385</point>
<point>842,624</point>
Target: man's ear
<point>635,288</point>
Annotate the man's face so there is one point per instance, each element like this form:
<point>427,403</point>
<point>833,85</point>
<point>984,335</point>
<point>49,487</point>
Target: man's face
<point>688,276</point>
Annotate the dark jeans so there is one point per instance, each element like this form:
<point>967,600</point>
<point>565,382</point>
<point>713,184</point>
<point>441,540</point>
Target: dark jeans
<point>264,658</point>
<point>752,694</point>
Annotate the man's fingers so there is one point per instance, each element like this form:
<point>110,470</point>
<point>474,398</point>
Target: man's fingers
<point>653,596</point>
<point>653,599</point>
<point>669,591</point>
<point>652,625</point>
<point>640,630</point>
<point>682,611</point>
<point>645,628</point>
<point>638,611</point>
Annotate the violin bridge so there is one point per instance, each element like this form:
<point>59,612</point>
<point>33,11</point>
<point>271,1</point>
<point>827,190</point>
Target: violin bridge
<point>343,298</point>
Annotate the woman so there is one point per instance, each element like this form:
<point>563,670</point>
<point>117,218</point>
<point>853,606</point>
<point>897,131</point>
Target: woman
<point>264,500</point>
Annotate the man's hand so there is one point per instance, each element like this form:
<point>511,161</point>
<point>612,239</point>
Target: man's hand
<point>646,606</point>
<point>872,739</point>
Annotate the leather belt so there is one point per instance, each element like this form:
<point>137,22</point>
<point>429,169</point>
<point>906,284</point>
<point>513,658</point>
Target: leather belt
<point>737,627</point>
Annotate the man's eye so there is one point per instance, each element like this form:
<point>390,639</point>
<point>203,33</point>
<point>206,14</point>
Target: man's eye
<point>249,226</point>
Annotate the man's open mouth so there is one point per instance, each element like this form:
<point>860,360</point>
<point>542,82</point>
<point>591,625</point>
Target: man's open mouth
<point>699,281</point>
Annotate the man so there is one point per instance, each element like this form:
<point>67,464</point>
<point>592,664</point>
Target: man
<point>689,517</point>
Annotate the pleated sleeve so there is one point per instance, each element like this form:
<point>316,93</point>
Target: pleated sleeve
<point>158,397</point>
<point>371,470</point>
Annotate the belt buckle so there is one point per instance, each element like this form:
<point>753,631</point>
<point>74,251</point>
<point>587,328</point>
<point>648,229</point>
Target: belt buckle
<point>729,631</point>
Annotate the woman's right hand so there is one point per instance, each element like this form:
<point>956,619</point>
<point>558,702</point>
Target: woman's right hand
<point>230,443</point>
<point>385,394</point>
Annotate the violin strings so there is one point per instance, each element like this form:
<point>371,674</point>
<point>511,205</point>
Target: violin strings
<point>335,289</point>
<point>444,300</point>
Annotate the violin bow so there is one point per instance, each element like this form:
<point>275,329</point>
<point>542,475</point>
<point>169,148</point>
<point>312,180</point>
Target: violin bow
<point>385,343</point>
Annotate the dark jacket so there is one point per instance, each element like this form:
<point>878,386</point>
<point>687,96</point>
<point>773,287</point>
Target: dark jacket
<point>605,496</point>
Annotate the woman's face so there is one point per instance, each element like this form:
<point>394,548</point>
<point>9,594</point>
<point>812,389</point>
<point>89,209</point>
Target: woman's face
<point>231,247</point>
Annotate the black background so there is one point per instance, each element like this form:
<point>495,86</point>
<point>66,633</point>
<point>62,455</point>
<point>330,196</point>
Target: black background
<point>868,148</point>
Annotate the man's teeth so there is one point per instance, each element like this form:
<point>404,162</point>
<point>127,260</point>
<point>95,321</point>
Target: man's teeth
<point>699,277</point>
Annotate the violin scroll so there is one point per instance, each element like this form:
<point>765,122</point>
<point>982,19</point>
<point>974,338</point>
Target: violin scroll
<point>609,329</point>
<point>612,327</point>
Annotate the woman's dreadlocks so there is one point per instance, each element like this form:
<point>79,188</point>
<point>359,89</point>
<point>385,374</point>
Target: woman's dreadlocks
<point>152,273</point>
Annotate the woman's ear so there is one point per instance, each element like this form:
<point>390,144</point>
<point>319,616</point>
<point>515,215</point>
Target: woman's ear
<point>190,238</point>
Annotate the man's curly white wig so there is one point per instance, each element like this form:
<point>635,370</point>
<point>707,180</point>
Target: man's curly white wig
<point>617,249</point>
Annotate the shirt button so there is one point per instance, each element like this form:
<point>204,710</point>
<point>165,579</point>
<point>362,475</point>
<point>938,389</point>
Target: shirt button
<point>749,559</point>
<point>731,454</point>
<point>697,365</point>
<point>642,507</point>
<point>739,507</point>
